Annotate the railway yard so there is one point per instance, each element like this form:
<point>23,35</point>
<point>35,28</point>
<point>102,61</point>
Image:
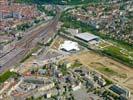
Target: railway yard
<point>65,52</point>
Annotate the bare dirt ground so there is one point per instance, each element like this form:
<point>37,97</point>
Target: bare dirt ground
<point>115,71</point>
<point>58,41</point>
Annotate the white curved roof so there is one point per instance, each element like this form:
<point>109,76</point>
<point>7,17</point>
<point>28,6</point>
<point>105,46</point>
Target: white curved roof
<point>69,46</point>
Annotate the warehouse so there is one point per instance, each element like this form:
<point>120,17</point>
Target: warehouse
<point>87,37</point>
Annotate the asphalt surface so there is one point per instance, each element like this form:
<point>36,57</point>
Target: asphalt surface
<point>27,43</point>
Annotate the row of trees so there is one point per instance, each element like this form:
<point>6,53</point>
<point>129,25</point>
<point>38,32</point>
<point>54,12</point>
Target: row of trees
<point>61,2</point>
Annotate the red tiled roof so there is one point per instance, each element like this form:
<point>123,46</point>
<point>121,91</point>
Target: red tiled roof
<point>25,10</point>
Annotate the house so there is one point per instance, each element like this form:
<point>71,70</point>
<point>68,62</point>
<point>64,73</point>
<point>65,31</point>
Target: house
<point>76,86</point>
<point>47,86</point>
<point>3,1</point>
<point>97,77</point>
<point>42,71</point>
<point>90,83</point>
<point>33,80</point>
<point>101,82</point>
<point>47,94</point>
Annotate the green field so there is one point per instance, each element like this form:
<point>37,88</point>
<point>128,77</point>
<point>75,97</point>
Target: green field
<point>109,72</point>
<point>76,64</point>
<point>115,51</point>
<point>6,76</point>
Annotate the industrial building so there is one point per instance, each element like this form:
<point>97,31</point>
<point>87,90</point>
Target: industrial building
<point>120,91</point>
<point>69,46</point>
<point>87,37</point>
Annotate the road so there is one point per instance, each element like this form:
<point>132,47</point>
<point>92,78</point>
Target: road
<point>29,42</point>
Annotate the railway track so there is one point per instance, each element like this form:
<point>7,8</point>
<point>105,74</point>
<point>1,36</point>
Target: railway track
<point>27,43</point>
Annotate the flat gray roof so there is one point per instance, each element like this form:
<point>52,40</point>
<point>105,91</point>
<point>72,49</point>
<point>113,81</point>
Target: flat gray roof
<point>87,36</point>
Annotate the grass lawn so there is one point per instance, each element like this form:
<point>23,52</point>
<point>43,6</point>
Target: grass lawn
<point>123,45</point>
<point>6,76</point>
<point>114,51</point>
<point>76,64</point>
<point>104,44</point>
<point>109,72</point>
<point>131,54</point>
